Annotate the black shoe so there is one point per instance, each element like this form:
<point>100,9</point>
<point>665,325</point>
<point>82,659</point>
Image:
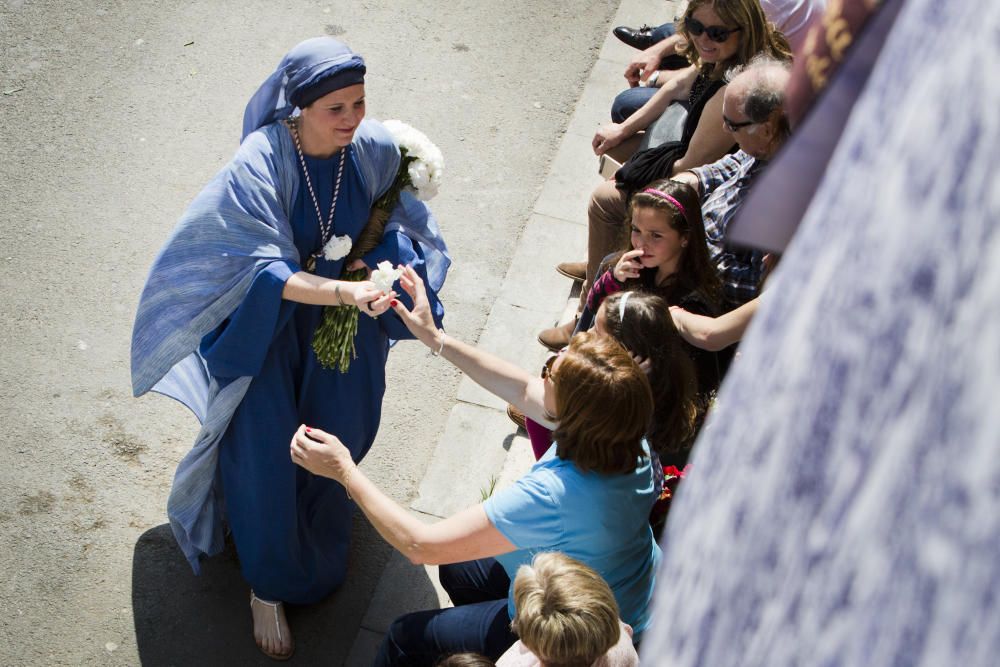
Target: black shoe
<point>641,38</point>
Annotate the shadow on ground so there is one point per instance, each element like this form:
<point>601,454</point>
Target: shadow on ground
<point>183,619</point>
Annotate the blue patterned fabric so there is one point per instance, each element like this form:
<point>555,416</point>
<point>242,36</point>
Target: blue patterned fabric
<point>844,504</point>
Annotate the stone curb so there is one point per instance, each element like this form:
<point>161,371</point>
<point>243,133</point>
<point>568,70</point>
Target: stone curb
<point>481,448</point>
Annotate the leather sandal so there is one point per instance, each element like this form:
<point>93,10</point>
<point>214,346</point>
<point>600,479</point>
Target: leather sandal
<point>277,607</point>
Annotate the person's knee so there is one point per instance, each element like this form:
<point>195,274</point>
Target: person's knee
<point>404,641</point>
<point>629,101</point>
<point>606,205</point>
<point>449,577</point>
<point>621,108</point>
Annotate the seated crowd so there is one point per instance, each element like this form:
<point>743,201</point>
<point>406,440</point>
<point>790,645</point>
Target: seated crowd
<point>664,300</point>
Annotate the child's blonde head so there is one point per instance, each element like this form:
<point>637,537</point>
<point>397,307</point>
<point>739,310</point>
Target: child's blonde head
<point>565,613</point>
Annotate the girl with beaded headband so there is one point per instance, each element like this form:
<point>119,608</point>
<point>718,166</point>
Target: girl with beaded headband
<point>232,339</point>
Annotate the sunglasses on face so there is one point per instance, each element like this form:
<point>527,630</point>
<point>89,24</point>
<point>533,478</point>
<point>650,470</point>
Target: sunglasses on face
<point>716,33</point>
<point>547,366</point>
<point>732,126</point>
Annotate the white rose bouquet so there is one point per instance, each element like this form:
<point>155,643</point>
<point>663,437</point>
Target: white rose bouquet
<point>421,166</point>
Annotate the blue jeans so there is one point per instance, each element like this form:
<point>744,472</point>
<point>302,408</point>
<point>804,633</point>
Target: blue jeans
<point>478,622</point>
<point>661,32</point>
<point>629,101</point>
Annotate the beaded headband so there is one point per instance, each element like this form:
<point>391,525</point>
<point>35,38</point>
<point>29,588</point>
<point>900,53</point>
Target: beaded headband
<point>663,195</point>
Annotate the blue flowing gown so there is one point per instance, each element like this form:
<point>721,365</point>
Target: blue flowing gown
<point>292,528</point>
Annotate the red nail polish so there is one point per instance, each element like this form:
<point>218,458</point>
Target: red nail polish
<point>308,430</point>
<point>393,303</point>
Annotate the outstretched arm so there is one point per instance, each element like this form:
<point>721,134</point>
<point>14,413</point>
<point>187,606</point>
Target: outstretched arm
<point>675,88</point>
<point>304,287</point>
<point>714,333</point>
<point>466,536</point>
<point>508,381</point>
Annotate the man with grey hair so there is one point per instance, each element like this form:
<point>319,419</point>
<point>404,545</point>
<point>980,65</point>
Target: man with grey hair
<point>753,111</point>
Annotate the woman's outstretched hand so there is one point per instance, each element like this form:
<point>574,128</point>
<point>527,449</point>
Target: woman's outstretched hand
<point>419,319</point>
<point>321,453</point>
<point>368,299</point>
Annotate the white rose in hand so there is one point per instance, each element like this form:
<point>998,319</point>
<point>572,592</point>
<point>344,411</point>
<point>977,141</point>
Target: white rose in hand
<point>384,276</point>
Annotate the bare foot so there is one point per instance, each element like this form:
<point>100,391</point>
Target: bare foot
<point>270,628</point>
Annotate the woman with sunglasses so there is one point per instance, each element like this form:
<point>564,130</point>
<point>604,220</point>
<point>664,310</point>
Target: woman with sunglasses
<point>720,34</point>
<point>588,497</point>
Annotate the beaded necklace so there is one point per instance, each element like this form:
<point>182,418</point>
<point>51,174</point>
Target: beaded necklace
<point>325,228</point>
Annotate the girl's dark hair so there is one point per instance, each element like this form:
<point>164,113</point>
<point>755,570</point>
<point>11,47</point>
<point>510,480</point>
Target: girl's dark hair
<point>695,272</point>
<point>648,331</point>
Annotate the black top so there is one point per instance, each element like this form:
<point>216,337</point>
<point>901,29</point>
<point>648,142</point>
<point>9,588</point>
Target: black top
<point>658,162</point>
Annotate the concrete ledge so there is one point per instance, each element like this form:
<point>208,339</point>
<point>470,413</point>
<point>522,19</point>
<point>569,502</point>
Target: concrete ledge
<point>480,443</point>
<point>470,454</point>
<point>510,334</point>
<point>566,191</point>
<point>532,281</point>
<point>404,588</point>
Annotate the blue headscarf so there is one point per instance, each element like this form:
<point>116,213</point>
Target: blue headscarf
<point>306,65</point>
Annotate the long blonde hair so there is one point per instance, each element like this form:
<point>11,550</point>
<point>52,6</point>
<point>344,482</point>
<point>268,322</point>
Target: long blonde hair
<point>757,34</point>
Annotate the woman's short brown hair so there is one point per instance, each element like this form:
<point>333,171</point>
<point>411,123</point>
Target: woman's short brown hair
<point>603,405</point>
<point>565,613</point>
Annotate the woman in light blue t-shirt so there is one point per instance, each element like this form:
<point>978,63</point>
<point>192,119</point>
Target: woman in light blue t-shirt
<point>588,497</point>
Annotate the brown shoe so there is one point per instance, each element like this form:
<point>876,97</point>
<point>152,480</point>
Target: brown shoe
<point>574,270</point>
<point>515,415</point>
<point>558,337</point>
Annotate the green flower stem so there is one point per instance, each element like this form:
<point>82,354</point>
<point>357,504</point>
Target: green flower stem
<point>333,341</point>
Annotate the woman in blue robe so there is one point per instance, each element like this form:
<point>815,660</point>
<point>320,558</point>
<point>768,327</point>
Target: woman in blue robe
<point>226,321</point>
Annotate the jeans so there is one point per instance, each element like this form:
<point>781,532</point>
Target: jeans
<point>629,101</point>
<point>478,622</point>
<point>661,32</point>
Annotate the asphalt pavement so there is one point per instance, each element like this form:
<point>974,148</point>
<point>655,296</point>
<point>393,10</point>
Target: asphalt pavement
<point>114,115</point>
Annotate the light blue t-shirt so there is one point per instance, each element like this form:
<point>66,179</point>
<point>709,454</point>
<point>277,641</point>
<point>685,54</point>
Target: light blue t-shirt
<point>601,520</point>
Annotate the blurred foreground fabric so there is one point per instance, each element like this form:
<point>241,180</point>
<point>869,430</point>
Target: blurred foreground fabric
<point>844,503</point>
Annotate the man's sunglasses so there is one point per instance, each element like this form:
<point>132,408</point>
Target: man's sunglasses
<point>732,126</point>
<point>716,33</point>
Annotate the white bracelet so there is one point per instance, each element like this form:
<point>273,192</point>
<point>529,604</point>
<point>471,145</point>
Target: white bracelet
<point>347,481</point>
<point>437,353</point>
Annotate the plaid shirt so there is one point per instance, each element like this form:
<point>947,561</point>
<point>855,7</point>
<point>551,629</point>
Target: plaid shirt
<point>724,186</point>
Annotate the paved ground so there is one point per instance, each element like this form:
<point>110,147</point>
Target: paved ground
<point>114,115</point>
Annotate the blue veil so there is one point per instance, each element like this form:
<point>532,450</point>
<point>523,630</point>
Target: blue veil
<point>304,66</point>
